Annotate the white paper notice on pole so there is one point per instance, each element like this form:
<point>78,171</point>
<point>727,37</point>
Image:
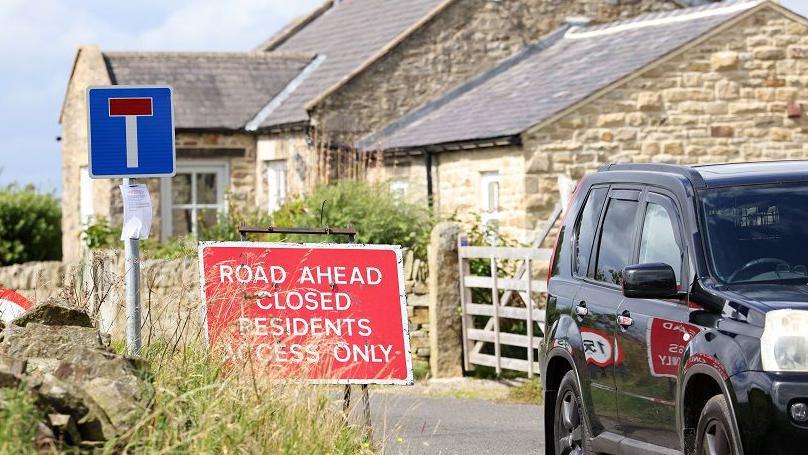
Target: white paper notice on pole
<point>137,212</point>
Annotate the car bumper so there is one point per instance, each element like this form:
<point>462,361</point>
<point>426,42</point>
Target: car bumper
<point>761,405</point>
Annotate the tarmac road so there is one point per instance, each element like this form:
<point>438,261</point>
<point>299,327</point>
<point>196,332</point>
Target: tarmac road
<point>411,424</point>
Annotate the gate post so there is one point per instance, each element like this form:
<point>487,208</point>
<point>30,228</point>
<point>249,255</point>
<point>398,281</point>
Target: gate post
<point>445,334</point>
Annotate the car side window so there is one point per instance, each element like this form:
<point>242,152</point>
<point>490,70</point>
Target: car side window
<point>616,240</point>
<point>658,239</point>
<point>586,228</point>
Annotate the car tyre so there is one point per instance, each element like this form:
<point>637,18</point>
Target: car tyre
<point>572,435</point>
<point>715,435</point>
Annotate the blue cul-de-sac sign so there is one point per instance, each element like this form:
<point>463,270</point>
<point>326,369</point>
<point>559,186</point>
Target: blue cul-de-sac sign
<point>131,131</point>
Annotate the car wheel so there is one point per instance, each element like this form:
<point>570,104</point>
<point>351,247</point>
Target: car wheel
<point>571,433</point>
<point>715,435</point>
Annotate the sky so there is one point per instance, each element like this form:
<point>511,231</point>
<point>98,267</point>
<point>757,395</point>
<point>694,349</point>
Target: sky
<point>38,42</point>
<point>39,38</point>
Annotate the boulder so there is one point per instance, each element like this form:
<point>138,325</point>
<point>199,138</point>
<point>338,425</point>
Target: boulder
<point>54,312</point>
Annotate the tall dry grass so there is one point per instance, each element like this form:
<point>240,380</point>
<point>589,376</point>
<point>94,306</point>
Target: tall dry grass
<point>204,406</point>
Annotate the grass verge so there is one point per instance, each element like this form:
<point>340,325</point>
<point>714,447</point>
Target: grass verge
<point>203,407</point>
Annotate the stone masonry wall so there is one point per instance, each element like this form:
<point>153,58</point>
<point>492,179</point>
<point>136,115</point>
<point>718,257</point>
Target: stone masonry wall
<point>89,70</point>
<point>463,40</point>
<point>459,191</point>
<point>723,100</point>
<point>301,164</point>
<point>37,281</point>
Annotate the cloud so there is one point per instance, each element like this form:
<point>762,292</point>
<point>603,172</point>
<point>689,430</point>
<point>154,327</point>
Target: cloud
<point>38,41</point>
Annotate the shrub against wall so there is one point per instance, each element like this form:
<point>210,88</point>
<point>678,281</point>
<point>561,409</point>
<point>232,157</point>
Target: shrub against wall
<point>378,215</point>
<point>30,225</point>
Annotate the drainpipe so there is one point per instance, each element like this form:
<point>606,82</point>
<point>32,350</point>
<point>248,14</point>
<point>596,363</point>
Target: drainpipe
<point>428,165</point>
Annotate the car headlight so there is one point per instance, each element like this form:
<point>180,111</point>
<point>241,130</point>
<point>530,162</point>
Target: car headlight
<point>784,344</point>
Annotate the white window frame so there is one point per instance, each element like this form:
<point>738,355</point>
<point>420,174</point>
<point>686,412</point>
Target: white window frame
<point>86,209</point>
<point>275,172</point>
<point>489,211</point>
<point>222,171</point>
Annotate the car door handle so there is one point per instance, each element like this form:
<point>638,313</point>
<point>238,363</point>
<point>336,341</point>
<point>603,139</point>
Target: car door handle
<point>581,310</point>
<point>624,320</point>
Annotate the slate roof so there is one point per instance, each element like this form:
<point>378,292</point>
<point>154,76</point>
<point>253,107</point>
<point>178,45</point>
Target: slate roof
<point>550,76</point>
<point>344,36</point>
<point>211,90</point>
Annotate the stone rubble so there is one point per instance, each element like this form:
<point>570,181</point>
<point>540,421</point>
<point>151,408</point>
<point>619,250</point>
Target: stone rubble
<point>87,393</point>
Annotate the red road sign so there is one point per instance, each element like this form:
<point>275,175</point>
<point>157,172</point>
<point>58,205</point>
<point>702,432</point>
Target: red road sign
<point>320,312</point>
<point>12,304</point>
<point>130,106</point>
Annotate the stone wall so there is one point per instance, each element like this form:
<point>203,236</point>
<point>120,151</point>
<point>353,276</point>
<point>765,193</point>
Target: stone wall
<point>723,100</point>
<point>37,281</point>
<point>462,40</point>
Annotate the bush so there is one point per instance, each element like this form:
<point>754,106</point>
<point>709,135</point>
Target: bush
<point>30,226</point>
<point>100,234</point>
<point>378,215</point>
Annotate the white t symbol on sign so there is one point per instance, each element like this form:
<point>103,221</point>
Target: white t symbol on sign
<point>131,109</point>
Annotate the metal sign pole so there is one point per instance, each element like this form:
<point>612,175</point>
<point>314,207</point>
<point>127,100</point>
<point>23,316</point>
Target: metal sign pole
<point>132,259</point>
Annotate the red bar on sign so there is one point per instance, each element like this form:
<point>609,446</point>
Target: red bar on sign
<point>130,106</point>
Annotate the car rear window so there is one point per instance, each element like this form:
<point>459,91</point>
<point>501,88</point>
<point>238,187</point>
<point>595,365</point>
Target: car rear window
<point>585,229</point>
<point>614,252</point>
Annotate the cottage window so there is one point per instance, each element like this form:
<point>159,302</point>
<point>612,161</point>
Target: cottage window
<point>192,199</point>
<point>489,200</point>
<point>275,171</point>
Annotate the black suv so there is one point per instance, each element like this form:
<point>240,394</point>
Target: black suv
<point>677,312</point>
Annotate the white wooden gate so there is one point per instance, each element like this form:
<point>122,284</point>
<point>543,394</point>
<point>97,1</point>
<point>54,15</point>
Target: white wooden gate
<point>503,303</point>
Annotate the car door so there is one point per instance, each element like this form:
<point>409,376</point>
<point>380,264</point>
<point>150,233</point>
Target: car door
<point>655,332</point>
<point>598,299</point>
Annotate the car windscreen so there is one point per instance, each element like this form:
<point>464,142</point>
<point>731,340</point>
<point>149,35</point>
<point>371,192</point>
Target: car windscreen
<point>757,233</point>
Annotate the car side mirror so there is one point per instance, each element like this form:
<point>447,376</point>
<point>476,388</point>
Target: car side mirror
<point>650,281</point>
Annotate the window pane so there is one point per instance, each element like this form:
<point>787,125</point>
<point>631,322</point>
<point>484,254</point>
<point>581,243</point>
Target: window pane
<point>493,196</point>
<point>181,189</point>
<point>585,229</point>
<point>276,183</point>
<point>181,222</point>
<point>658,242</point>
<point>206,188</point>
<point>206,218</point>
<point>614,252</point>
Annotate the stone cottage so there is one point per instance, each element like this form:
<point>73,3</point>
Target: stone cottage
<point>215,96</point>
<point>312,103</point>
<point>717,83</point>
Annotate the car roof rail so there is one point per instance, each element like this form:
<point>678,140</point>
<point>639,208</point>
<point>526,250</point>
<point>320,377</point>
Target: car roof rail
<point>688,172</point>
